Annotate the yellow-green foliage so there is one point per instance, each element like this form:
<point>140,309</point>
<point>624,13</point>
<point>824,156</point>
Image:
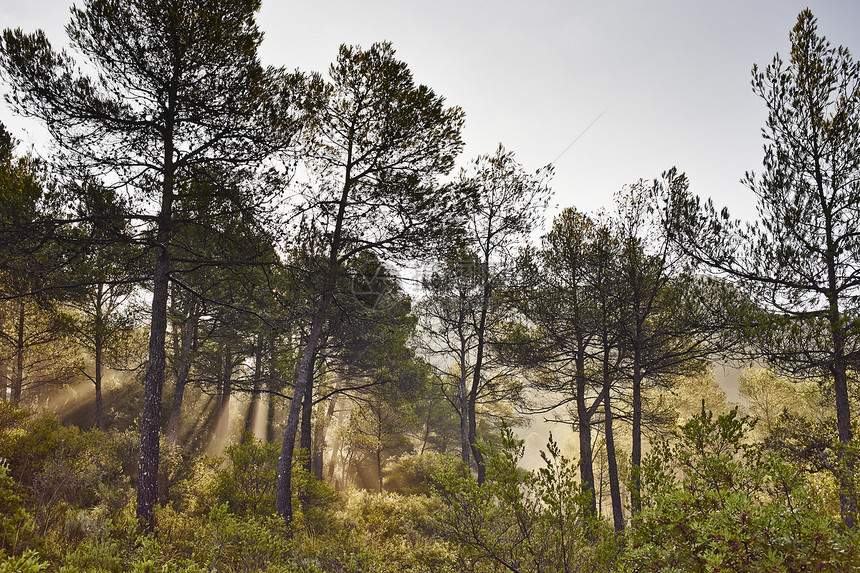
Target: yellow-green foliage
<point>385,533</point>
<point>520,520</point>
<point>413,475</point>
<point>714,502</point>
<point>248,483</point>
<point>16,525</point>
<point>29,562</point>
<point>712,499</point>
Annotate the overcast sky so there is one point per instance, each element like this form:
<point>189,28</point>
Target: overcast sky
<point>671,78</point>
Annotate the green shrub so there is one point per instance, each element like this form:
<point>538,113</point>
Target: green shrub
<point>712,502</point>
<point>29,562</point>
<point>520,520</point>
<point>16,525</point>
<point>28,441</point>
<point>220,540</point>
<point>248,484</point>
<point>383,533</point>
<point>102,555</point>
<point>413,475</point>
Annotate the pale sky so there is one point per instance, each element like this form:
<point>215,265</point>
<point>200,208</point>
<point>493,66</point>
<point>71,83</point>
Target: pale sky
<point>671,77</point>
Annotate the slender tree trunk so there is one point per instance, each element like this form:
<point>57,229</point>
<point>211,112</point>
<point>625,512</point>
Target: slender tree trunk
<point>189,335</point>
<point>147,486</point>
<point>847,493</point>
<point>636,453</point>
<point>4,367</point>
<point>379,468</point>
<point>465,442</point>
<point>586,455</point>
<point>306,437</point>
<point>335,454</point>
<point>319,442</point>
<point>303,381</point>
<point>473,438</point>
<point>98,347</point>
<point>462,389</point>
<point>614,482</point>
<point>150,425</point>
<point>100,408</point>
<point>476,375</point>
<point>270,420</point>
<point>225,392</point>
<point>847,490</point>
<point>251,417</point>
<point>271,437</point>
<point>4,382</point>
<point>18,379</point>
<point>305,373</point>
<point>426,437</point>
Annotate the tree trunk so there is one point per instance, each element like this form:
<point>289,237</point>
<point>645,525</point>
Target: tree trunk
<point>18,378</point>
<point>636,453</point>
<point>304,377</point>
<point>270,384</point>
<point>305,373</point>
<point>4,382</point>
<point>100,409</point>
<point>150,425</point>
<point>426,437</point>
<point>379,468</point>
<point>586,455</point>
<point>189,335</point>
<point>4,368</point>
<point>251,416</point>
<point>847,501</point>
<point>465,442</point>
<point>335,454</point>
<point>225,393</point>
<point>306,437</point>
<point>473,438</point>
<point>319,442</point>
<point>147,485</point>
<point>479,363</point>
<point>614,482</point>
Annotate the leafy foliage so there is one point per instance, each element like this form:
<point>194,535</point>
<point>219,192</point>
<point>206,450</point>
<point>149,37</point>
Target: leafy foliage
<point>712,501</point>
<point>520,520</point>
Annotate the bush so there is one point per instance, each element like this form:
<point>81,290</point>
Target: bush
<point>520,520</point>
<point>29,562</point>
<point>16,525</point>
<point>220,540</point>
<point>413,475</point>
<point>27,441</point>
<point>713,502</point>
<point>249,483</point>
<point>383,533</point>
